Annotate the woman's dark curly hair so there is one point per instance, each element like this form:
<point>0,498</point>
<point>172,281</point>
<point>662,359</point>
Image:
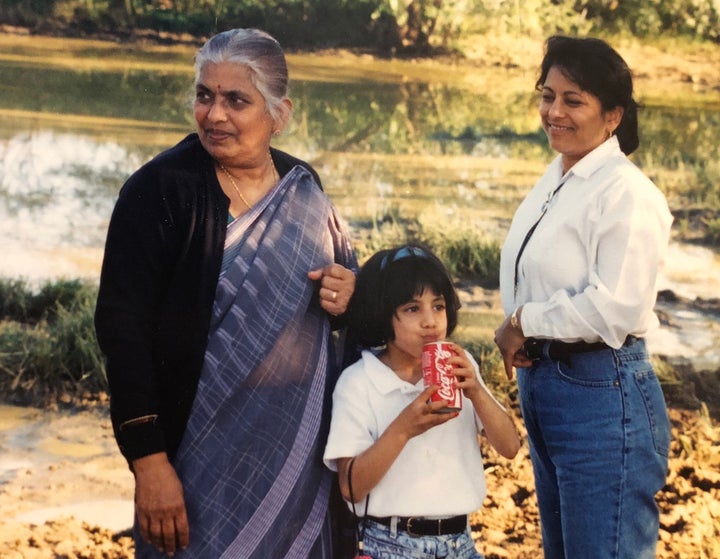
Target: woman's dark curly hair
<point>389,279</point>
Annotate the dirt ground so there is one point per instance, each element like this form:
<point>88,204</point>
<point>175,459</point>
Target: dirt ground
<point>690,511</point>
<point>70,495</point>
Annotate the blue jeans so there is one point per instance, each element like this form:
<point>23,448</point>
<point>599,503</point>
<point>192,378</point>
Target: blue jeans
<point>599,436</point>
<point>382,542</point>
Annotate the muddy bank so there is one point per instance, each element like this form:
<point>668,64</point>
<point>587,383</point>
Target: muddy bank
<point>64,471</point>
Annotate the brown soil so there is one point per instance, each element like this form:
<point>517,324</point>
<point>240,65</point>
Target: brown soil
<point>506,527</point>
<point>690,510</point>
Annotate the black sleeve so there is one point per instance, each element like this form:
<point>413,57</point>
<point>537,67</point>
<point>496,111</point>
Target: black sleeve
<point>139,251</point>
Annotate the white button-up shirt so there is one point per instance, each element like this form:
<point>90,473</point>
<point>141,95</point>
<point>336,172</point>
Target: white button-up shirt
<point>589,270</point>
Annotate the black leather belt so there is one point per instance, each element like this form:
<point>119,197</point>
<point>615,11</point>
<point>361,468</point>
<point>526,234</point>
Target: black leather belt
<point>419,526</point>
<point>562,351</point>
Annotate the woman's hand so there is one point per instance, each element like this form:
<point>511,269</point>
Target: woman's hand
<point>159,504</point>
<point>337,284</point>
<point>510,342</point>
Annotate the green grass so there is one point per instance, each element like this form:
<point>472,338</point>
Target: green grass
<point>467,251</point>
<point>48,349</point>
<point>49,353</point>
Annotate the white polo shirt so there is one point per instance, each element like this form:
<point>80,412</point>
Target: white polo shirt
<point>439,473</point>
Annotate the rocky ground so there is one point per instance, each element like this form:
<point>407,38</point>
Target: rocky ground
<point>690,510</point>
<point>74,506</point>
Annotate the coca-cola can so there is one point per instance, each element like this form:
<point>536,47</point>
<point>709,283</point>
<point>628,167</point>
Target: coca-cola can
<point>437,370</point>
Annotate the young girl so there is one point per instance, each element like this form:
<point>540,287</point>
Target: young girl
<point>420,470</point>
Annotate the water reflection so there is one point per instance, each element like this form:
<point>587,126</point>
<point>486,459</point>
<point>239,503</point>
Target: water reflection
<point>69,138</point>
<point>58,189</point>
<point>128,94</point>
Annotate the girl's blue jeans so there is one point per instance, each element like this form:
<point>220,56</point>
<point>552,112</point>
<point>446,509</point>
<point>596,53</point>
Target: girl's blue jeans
<point>599,435</point>
<point>382,542</point>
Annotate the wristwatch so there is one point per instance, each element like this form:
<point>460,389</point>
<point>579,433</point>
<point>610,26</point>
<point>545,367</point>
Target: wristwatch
<point>514,322</point>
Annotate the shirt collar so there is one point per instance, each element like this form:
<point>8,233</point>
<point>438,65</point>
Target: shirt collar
<point>593,160</point>
<point>383,377</point>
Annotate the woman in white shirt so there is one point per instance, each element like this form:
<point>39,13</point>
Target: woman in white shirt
<point>578,281</point>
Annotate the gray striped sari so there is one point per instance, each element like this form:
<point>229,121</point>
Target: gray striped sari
<point>250,460</point>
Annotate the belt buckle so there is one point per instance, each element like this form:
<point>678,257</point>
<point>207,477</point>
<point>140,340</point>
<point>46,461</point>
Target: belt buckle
<point>408,528</point>
<point>533,349</point>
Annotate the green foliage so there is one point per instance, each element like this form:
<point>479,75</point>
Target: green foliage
<point>197,23</point>
<point>14,300</point>
<point>465,251</point>
<point>321,23</point>
<point>392,26</point>
<point>20,303</point>
<point>29,13</point>
<point>688,177</point>
<point>535,17</point>
<point>644,18</point>
<point>664,370</point>
<point>488,357</point>
<point>420,26</point>
<point>385,232</point>
<point>47,341</point>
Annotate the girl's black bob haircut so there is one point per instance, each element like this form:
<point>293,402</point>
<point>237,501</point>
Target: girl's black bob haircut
<point>389,279</point>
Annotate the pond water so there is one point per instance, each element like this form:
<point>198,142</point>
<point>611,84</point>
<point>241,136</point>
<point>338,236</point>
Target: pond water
<point>71,133</point>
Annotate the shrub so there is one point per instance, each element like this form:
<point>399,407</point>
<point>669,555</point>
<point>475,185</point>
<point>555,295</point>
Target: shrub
<point>19,302</point>
<point>47,342</point>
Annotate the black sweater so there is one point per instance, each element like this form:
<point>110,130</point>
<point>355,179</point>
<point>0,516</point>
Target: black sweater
<point>162,261</point>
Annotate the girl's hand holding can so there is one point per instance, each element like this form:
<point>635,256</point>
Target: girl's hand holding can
<point>465,375</point>
<point>421,414</point>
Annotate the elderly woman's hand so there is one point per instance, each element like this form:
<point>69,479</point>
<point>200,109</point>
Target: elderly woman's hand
<point>337,284</point>
<point>159,504</point>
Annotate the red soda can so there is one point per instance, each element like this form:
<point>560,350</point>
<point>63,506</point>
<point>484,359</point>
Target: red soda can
<point>437,370</point>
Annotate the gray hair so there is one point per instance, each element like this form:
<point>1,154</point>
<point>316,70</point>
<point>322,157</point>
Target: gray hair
<point>262,55</point>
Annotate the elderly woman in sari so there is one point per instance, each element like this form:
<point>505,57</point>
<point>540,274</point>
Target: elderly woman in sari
<point>225,269</point>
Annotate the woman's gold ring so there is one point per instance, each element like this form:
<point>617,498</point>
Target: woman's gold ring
<point>334,295</point>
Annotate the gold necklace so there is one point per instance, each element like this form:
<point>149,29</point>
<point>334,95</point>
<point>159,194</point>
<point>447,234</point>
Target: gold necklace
<point>235,186</point>
<point>276,179</point>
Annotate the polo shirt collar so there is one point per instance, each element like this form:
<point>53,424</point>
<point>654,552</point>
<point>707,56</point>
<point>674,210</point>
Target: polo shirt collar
<point>384,379</point>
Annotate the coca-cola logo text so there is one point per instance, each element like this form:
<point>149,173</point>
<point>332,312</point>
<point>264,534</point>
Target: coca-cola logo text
<point>445,376</point>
